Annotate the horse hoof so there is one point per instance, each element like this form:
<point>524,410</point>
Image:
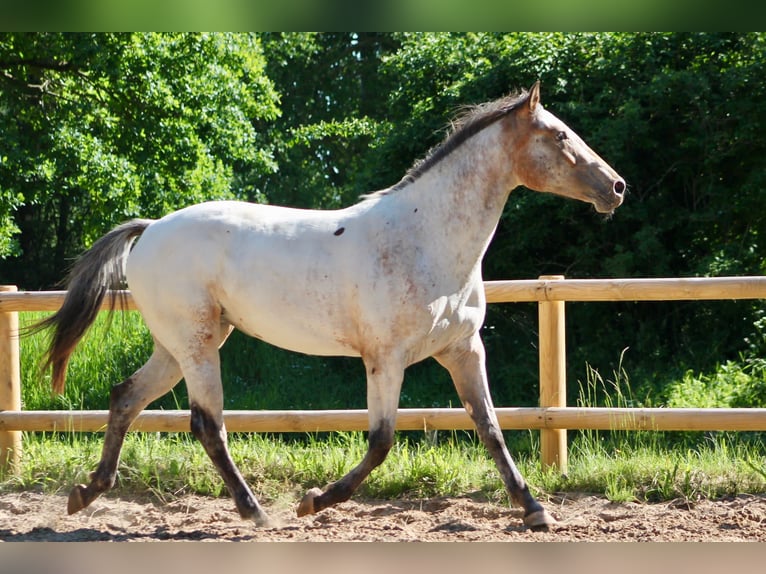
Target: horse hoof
<point>539,521</point>
<point>76,501</point>
<point>262,520</point>
<point>306,505</point>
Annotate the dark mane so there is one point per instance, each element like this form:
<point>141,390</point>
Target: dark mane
<point>470,121</point>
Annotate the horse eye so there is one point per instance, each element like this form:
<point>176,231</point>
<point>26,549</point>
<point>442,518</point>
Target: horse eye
<point>561,136</point>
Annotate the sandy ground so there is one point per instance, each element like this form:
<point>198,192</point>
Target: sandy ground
<point>32,516</point>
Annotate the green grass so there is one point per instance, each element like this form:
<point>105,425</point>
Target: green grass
<point>622,465</point>
<point>105,356</point>
<point>645,470</point>
<point>280,471</point>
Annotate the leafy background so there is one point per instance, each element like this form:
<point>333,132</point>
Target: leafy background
<point>99,128</point>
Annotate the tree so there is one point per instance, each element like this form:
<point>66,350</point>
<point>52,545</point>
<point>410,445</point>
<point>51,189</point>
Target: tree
<point>334,111</point>
<point>676,114</point>
<point>98,128</point>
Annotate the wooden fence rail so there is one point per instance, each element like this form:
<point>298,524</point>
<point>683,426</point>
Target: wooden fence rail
<point>543,418</point>
<point>552,417</point>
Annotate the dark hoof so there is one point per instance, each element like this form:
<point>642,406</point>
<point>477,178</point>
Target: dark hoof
<point>76,500</point>
<point>306,505</point>
<point>539,521</point>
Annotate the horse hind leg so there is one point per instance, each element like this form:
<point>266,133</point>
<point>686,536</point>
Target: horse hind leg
<point>383,389</point>
<point>209,429</point>
<point>203,382</point>
<point>158,375</point>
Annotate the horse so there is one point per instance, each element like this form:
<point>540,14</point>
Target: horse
<point>392,279</point>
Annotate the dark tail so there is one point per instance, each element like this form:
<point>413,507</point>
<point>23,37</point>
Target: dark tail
<point>99,270</point>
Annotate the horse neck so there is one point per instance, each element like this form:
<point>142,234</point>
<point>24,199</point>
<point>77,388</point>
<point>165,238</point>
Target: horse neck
<point>465,193</point>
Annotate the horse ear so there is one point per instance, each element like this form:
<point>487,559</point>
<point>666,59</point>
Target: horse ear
<point>534,96</point>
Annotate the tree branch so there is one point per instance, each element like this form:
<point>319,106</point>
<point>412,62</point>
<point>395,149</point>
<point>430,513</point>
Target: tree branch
<point>36,63</point>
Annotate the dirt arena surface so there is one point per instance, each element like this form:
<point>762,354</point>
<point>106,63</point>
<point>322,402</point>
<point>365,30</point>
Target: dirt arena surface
<point>32,516</point>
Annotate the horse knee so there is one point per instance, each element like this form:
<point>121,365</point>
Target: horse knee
<point>102,479</point>
<point>492,434</point>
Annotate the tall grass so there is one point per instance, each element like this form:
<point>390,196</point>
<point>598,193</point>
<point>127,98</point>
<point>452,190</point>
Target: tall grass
<point>109,353</point>
<point>654,465</point>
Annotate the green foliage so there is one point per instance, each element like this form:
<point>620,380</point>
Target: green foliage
<point>97,128</point>
<point>732,384</point>
<point>264,377</point>
<point>334,112</point>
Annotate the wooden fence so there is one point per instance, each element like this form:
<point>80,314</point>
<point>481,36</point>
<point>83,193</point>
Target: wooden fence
<point>552,417</point>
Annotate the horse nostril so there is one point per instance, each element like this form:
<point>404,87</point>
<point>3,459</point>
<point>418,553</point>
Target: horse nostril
<point>619,187</point>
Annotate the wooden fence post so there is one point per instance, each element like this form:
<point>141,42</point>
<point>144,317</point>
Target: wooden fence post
<point>10,385</point>
<point>553,385</point>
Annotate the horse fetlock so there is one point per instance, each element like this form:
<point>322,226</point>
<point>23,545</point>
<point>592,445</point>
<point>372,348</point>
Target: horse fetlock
<point>101,481</point>
<point>307,504</point>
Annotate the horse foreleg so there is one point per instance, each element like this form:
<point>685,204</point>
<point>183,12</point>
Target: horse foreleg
<point>383,388</point>
<point>381,439</point>
<point>466,364</point>
<point>127,400</point>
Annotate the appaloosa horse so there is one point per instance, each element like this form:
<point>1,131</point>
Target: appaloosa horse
<point>392,279</point>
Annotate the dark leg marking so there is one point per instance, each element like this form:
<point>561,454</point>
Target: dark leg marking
<point>380,442</point>
<point>213,439</point>
<point>491,435</point>
<point>121,414</point>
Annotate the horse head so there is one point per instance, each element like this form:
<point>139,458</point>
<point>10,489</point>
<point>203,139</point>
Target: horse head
<point>550,157</point>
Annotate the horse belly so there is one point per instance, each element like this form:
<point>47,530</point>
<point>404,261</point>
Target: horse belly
<point>293,330</point>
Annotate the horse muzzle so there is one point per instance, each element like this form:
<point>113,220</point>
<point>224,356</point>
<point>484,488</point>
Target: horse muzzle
<point>612,199</point>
